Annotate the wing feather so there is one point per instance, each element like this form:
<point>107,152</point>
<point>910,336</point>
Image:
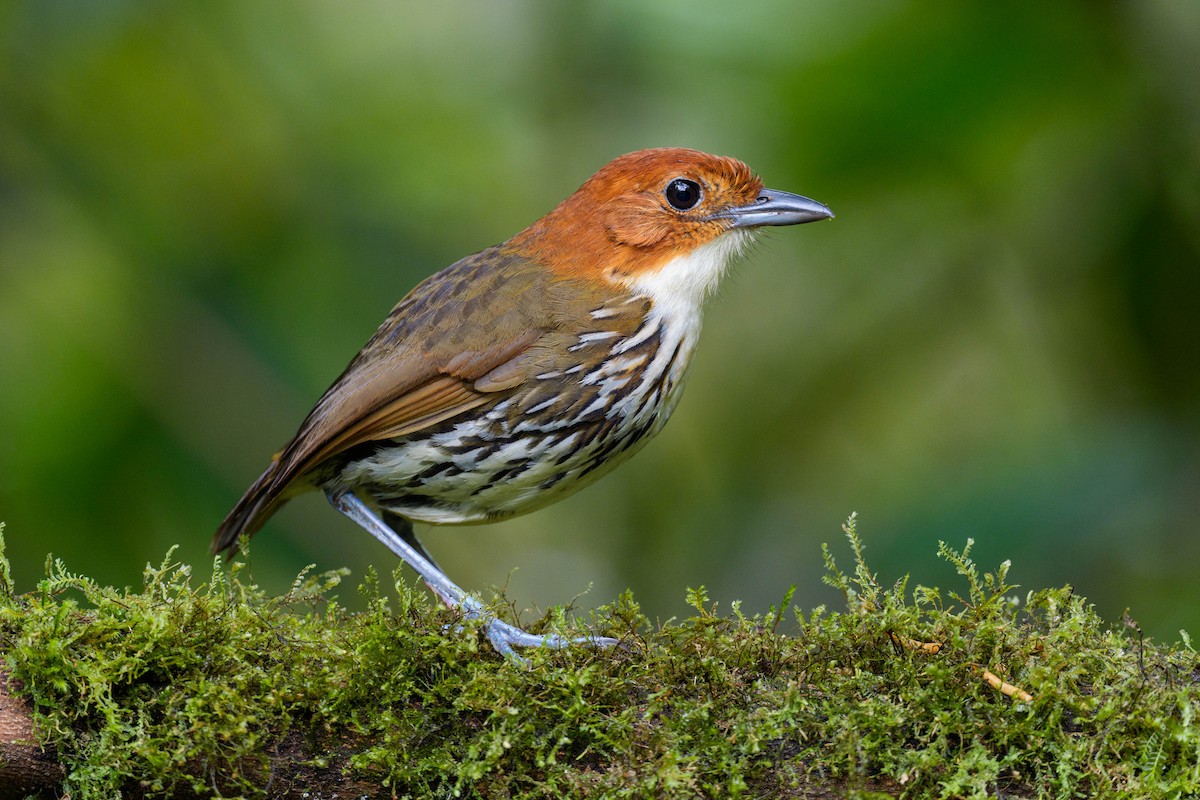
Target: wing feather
<point>382,398</point>
<point>429,361</point>
<point>458,341</point>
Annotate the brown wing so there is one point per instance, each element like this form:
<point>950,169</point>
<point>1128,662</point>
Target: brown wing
<point>384,395</point>
<point>448,347</point>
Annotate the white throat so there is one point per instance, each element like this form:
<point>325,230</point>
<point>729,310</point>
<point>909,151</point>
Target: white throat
<point>680,287</point>
<point>678,290</point>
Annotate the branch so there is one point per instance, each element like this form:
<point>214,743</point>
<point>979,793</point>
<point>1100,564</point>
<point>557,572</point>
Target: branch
<point>180,690</point>
<point>25,766</point>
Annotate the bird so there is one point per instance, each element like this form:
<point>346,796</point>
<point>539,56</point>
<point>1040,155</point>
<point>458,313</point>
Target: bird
<point>520,374</point>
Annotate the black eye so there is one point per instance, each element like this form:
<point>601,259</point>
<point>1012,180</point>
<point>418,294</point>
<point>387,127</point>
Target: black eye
<point>682,194</point>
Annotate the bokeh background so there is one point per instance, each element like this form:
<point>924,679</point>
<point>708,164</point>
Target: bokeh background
<point>206,209</point>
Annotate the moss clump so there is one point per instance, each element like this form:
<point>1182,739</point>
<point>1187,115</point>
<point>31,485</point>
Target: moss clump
<point>214,689</point>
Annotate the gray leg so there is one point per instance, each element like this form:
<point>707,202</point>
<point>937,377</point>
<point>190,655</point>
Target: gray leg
<point>404,528</point>
<point>504,637</point>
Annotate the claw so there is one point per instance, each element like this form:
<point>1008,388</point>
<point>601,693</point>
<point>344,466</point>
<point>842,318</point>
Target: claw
<point>504,637</point>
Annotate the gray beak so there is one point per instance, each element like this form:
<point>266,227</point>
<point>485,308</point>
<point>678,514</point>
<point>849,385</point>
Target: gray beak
<point>773,207</point>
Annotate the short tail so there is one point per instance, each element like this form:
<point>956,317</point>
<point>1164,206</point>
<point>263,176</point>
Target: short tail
<point>251,512</point>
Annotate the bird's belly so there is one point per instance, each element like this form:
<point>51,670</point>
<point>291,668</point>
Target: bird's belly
<point>467,474</point>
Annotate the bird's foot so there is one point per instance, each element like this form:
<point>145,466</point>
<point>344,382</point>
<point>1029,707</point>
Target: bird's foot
<point>505,637</point>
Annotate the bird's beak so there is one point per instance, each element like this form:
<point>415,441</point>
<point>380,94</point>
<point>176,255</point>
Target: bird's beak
<point>773,207</point>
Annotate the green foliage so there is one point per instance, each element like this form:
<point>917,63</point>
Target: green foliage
<point>193,686</point>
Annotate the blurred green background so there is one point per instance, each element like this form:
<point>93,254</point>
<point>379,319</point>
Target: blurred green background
<point>206,209</point>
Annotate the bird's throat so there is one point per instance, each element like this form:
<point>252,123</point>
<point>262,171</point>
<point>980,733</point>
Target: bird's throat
<point>680,286</point>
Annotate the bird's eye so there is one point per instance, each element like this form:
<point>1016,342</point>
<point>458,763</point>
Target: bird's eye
<point>682,194</point>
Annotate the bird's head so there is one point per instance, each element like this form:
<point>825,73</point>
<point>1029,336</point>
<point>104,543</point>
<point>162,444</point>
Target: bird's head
<point>669,218</point>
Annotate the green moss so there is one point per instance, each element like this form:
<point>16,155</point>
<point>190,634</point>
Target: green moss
<point>203,687</point>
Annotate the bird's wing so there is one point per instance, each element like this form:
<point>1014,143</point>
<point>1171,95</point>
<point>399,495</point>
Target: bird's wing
<point>451,345</point>
<point>382,396</point>
<point>425,363</point>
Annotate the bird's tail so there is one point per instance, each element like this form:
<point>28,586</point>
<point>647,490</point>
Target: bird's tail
<point>251,512</point>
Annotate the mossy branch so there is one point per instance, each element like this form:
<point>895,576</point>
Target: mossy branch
<point>205,689</point>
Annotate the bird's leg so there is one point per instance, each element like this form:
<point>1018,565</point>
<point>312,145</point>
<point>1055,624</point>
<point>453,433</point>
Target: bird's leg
<point>504,637</point>
<point>404,529</point>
